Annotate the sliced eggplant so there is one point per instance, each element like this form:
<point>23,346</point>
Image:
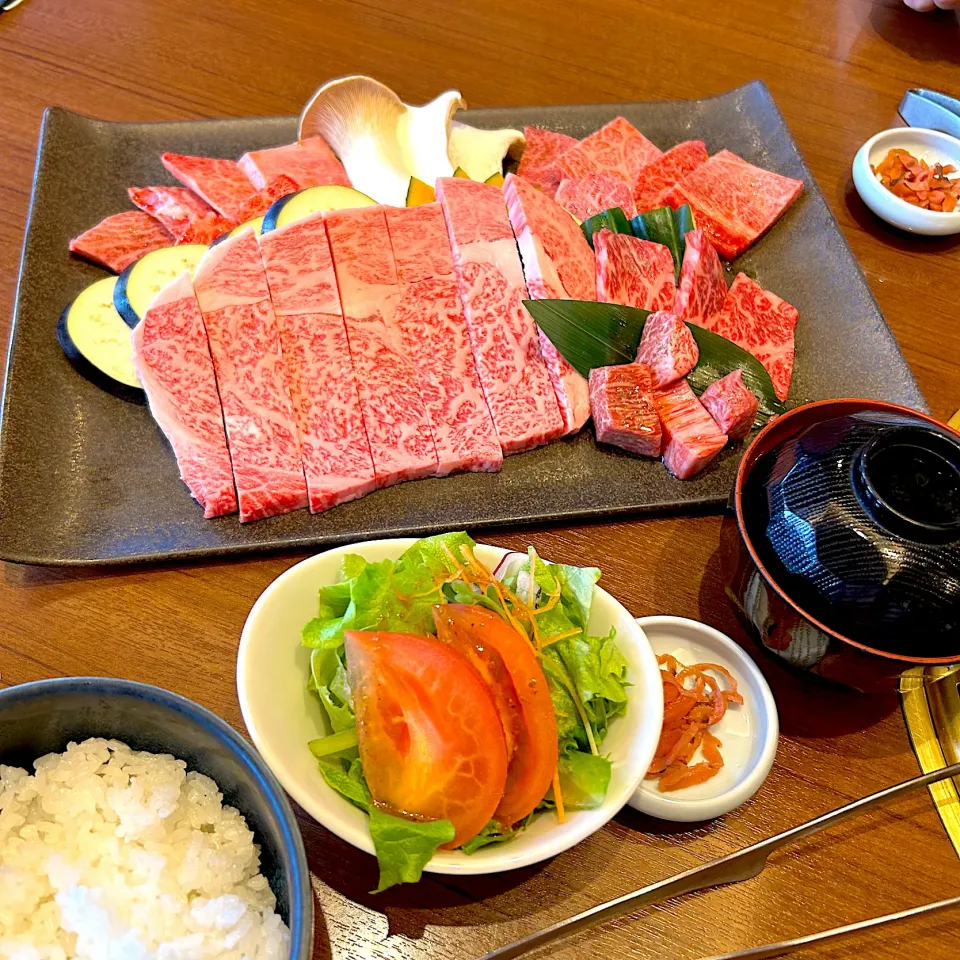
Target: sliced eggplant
<point>305,203</point>
<point>143,280</point>
<point>96,340</point>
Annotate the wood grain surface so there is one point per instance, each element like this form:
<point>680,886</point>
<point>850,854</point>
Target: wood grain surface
<point>837,70</point>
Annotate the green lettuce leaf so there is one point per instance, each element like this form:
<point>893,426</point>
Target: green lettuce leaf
<point>584,780</point>
<point>329,675</point>
<point>389,595</point>
<point>493,833</point>
<point>349,782</point>
<point>404,847</point>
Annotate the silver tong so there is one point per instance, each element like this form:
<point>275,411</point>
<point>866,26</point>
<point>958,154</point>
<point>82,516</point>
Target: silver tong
<point>743,865</point>
<point>927,108</point>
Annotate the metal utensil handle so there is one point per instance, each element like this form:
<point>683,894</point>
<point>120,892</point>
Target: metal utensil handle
<point>927,108</point>
<point>732,868</point>
<point>788,946</point>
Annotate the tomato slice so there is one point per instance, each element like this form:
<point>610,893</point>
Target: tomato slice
<point>429,735</point>
<point>508,663</point>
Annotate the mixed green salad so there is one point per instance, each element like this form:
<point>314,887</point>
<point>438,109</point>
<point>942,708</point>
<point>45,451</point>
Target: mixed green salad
<point>427,669</point>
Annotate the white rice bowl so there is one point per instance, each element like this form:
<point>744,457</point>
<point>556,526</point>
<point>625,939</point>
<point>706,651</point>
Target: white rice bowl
<point>106,852</point>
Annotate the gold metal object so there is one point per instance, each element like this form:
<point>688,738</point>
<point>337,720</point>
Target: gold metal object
<point>931,709</point>
<point>954,421</point>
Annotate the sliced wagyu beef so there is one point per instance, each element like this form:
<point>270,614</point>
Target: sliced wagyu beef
<point>734,201</point>
<point>433,330</point>
<point>119,240</point>
<point>397,422</point>
<point>313,339</point>
<point>763,324</point>
<point>634,272</point>
<point>667,347</point>
<point>600,171</point>
<point>588,195</point>
<point>624,414</point>
<point>654,181</point>
<point>503,336</point>
<point>617,148</point>
<point>172,360</point>
<point>691,437</point>
<point>232,292</point>
<point>557,264</point>
<point>225,186</point>
<point>557,260</point>
<point>540,155</point>
<point>306,163</point>
<point>188,218</point>
<point>702,288</point>
<point>731,404</point>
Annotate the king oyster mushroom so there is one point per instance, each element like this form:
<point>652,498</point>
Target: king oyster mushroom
<point>382,141</point>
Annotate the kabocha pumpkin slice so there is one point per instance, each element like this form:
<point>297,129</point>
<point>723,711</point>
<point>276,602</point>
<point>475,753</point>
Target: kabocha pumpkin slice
<point>419,193</point>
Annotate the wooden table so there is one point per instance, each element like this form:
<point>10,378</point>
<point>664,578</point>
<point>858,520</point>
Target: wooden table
<point>838,70</point>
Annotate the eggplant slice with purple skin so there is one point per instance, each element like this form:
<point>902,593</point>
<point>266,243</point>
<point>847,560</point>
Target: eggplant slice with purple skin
<point>145,278</point>
<point>96,341</point>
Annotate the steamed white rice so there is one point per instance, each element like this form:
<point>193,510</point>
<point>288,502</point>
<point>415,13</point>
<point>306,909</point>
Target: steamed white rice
<point>113,854</point>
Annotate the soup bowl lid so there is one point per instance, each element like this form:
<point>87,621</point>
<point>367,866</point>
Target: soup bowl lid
<point>850,509</point>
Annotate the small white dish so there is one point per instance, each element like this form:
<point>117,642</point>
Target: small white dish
<point>749,733</point>
<point>282,716</point>
<point>930,145</point>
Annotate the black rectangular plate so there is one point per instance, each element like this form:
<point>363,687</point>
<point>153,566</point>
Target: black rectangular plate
<point>86,478</point>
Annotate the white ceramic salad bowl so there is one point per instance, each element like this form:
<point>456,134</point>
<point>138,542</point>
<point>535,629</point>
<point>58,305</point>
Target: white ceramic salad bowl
<point>282,716</point>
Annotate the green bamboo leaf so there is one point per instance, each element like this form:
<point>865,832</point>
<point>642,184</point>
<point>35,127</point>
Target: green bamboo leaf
<point>667,226</point>
<point>613,219</point>
<point>590,334</point>
<point>593,335</point>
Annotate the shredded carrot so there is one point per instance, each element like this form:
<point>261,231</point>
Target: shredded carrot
<point>918,183</point>
<point>688,714</point>
<point>558,796</point>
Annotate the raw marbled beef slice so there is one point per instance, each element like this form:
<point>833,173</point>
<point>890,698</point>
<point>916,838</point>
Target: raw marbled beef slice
<point>634,272</point>
<point>397,422</point>
<point>731,404</point>
<point>557,264</point>
<point>734,201</point>
<point>557,260</point>
<point>433,330</point>
<point>232,291</point>
<point>656,178</point>
<point>621,399</point>
<point>257,204</point>
<point>761,323</point>
<point>572,389</point>
<point>702,289</point>
<point>595,192</point>
<point>617,148</point>
<point>503,336</point>
<point>188,218</point>
<point>119,240</point>
<point>539,161</point>
<point>667,347</point>
<point>691,438</point>
<point>172,360</point>
<point>307,163</point>
<point>333,442</point>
